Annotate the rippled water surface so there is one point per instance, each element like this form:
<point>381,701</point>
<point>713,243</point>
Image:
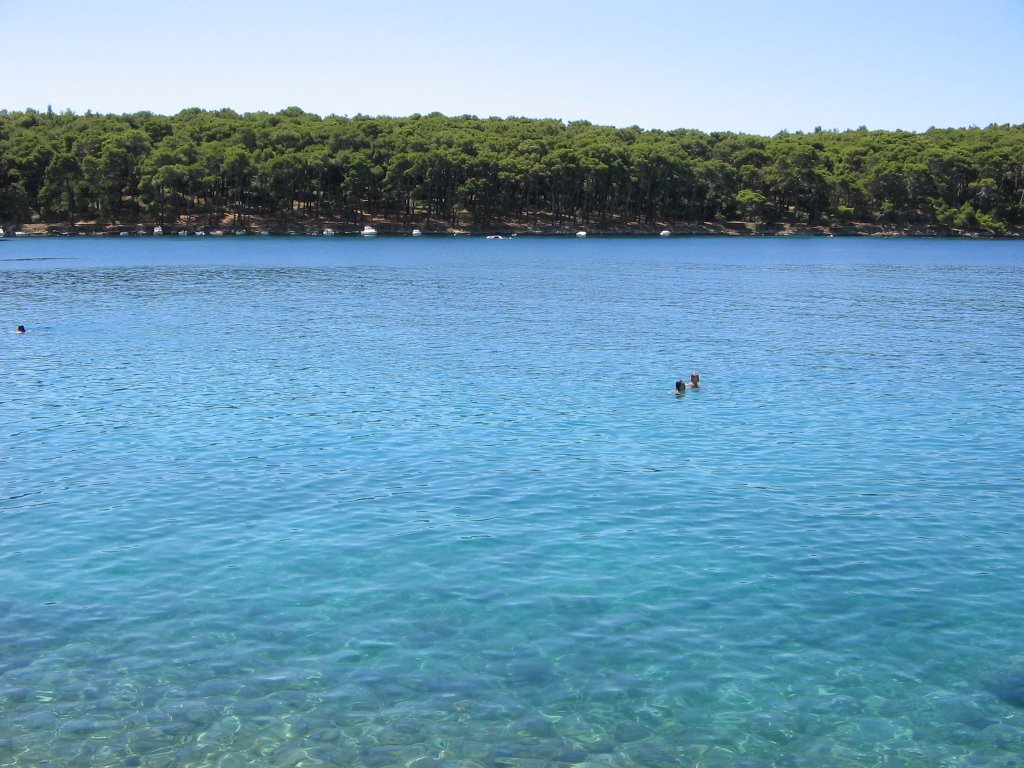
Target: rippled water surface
<point>431,503</point>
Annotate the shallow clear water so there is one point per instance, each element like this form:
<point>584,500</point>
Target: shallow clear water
<point>431,502</point>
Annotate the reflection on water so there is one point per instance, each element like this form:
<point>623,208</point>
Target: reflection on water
<point>383,505</point>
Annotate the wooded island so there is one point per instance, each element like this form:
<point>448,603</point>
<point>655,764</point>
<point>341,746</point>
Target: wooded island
<point>295,171</point>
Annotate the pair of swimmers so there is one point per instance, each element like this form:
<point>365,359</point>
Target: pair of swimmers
<point>693,383</point>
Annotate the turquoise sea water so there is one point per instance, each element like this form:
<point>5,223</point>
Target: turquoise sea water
<point>338,502</point>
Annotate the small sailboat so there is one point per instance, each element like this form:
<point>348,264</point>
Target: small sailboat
<point>368,231</point>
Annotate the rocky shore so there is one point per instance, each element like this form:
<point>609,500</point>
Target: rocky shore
<point>386,227</point>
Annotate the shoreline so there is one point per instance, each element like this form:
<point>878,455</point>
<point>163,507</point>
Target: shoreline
<point>390,228</point>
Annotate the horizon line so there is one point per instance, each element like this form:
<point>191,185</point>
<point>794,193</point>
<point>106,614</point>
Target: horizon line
<point>49,110</point>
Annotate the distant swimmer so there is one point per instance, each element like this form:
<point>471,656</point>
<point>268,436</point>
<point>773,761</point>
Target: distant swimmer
<point>20,329</point>
<point>693,383</point>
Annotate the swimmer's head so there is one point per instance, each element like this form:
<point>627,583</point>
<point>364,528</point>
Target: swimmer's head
<point>20,329</point>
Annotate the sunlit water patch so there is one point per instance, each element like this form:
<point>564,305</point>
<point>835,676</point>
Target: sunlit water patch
<point>432,502</point>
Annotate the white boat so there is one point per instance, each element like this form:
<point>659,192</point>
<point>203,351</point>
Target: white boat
<point>665,233</point>
<point>417,233</point>
<point>328,232</point>
<point>581,233</point>
<point>157,231</point>
<point>2,235</point>
<point>182,233</point>
<point>368,231</point>
<point>200,233</point>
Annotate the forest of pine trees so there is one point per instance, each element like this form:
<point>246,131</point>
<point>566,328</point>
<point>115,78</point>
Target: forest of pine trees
<point>219,168</point>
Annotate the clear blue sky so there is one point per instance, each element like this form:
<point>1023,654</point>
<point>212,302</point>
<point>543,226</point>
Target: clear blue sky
<point>758,67</point>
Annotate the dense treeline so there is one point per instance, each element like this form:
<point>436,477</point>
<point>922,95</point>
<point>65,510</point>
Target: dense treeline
<point>210,168</point>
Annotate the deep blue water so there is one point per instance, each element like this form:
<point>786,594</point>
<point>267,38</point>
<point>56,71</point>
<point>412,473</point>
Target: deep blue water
<point>308,502</point>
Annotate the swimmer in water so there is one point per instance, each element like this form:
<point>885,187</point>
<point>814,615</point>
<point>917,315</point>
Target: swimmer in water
<point>20,329</point>
<point>694,381</point>
<point>680,387</point>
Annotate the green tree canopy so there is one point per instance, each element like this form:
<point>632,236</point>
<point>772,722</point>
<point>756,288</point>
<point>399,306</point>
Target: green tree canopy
<point>290,166</point>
